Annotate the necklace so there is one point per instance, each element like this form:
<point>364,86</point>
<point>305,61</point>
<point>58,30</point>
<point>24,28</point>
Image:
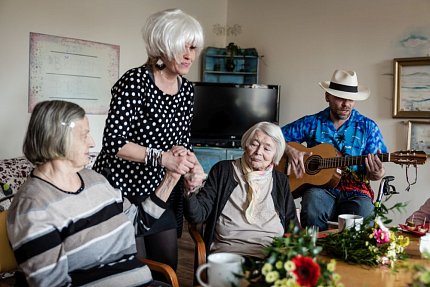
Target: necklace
<point>169,85</point>
<point>50,181</point>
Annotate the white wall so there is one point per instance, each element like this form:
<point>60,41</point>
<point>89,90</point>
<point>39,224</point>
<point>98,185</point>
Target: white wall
<point>107,21</point>
<point>302,41</point>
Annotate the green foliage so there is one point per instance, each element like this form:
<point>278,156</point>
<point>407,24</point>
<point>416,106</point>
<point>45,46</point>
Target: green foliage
<point>365,245</point>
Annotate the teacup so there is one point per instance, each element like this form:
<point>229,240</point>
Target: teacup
<point>347,221</point>
<point>425,244</point>
<point>224,270</point>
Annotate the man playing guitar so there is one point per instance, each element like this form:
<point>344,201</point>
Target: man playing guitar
<point>352,134</point>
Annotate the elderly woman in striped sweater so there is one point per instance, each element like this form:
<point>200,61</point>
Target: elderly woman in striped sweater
<point>67,225</point>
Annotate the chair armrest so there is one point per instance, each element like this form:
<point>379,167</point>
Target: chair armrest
<point>196,231</point>
<point>165,269</point>
<point>7,259</point>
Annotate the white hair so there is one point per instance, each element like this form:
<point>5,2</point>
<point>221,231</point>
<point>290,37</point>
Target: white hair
<point>270,129</point>
<point>166,34</point>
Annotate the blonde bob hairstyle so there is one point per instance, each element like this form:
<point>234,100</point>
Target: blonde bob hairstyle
<point>273,131</point>
<point>49,130</point>
<point>166,33</point>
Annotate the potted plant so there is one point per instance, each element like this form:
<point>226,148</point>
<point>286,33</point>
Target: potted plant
<point>231,50</point>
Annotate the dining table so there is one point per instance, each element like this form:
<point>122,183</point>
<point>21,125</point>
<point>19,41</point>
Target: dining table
<point>356,275</point>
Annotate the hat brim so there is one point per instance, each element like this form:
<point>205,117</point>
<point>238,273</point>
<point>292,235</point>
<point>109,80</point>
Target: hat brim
<point>362,94</point>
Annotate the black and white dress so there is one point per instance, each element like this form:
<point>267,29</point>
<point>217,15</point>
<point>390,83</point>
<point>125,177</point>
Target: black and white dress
<point>141,113</point>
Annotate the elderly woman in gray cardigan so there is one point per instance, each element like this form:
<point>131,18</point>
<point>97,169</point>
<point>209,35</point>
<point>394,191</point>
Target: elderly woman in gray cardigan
<point>245,203</point>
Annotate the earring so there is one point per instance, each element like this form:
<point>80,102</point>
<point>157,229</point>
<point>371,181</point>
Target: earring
<point>160,64</point>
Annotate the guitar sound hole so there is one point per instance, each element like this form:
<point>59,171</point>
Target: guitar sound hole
<point>312,164</point>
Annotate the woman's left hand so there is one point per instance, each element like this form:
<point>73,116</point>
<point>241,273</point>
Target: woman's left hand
<point>179,150</point>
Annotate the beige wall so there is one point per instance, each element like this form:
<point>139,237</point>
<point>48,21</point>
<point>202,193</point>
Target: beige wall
<point>302,42</point>
<point>107,21</point>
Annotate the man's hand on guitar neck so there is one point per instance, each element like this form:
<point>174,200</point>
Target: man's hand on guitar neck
<point>374,167</point>
<point>295,160</point>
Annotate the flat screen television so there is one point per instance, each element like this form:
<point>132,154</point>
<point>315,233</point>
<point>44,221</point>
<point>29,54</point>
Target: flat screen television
<point>223,112</point>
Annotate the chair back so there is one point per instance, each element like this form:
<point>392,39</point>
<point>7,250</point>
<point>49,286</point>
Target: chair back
<point>7,258</point>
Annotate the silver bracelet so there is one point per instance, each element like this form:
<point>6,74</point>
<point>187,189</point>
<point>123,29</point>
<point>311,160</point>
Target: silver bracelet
<point>153,156</point>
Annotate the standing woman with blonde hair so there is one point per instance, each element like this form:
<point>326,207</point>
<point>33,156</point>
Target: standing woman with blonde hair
<point>147,130</point>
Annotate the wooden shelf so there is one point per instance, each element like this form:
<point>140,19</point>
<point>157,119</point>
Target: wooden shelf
<point>245,70</point>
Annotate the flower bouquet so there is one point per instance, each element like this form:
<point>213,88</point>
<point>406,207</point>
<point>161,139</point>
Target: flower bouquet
<point>292,261</point>
<point>372,244</point>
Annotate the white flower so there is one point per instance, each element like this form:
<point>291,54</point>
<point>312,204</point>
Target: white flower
<point>380,224</point>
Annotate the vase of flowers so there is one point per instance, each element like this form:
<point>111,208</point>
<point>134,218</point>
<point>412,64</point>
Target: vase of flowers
<point>292,261</point>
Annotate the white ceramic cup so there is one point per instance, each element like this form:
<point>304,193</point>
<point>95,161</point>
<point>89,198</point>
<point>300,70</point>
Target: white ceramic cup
<point>425,244</point>
<point>224,270</point>
<point>349,220</point>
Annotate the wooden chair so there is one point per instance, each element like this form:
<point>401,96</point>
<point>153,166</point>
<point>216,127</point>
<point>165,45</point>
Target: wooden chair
<point>8,262</point>
<point>164,269</point>
<point>196,233</point>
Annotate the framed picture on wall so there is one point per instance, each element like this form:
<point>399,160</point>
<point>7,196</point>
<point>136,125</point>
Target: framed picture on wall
<point>412,87</point>
<point>74,70</point>
<point>419,136</point>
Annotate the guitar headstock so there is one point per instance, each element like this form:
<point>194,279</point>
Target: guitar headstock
<point>408,157</point>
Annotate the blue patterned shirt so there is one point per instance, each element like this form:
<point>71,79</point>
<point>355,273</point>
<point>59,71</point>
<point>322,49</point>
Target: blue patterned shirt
<point>359,135</point>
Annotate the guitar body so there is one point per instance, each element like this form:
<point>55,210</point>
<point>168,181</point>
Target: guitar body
<point>315,176</point>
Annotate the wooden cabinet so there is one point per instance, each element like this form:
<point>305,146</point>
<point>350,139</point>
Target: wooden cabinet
<point>220,67</point>
<point>208,156</point>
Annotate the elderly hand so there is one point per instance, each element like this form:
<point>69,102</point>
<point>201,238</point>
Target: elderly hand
<point>295,161</point>
<point>374,167</point>
<point>195,178</point>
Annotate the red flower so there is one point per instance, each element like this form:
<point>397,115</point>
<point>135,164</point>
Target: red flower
<point>307,271</point>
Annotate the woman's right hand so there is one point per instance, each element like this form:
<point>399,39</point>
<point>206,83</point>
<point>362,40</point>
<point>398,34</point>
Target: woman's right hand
<point>178,160</point>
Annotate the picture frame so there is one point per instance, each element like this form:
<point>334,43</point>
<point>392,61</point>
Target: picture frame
<point>75,70</point>
<point>411,87</point>
<point>419,136</point>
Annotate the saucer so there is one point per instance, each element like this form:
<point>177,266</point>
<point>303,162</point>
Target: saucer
<point>404,228</point>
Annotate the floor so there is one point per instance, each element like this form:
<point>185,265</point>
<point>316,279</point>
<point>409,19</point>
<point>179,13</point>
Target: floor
<point>185,269</point>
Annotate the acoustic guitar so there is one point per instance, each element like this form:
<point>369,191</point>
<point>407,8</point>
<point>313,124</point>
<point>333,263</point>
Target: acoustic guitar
<point>324,166</point>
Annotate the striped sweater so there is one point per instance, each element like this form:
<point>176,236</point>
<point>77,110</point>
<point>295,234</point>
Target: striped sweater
<point>78,239</point>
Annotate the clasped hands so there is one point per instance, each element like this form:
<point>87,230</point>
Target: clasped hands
<point>180,161</point>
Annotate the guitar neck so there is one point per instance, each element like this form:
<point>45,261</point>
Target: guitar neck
<point>334,162</point>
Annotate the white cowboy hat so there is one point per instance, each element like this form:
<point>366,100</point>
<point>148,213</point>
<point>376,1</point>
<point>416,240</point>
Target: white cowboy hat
<point>344,84</point>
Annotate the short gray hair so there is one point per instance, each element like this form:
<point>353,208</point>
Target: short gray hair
<point>49,130</point>
<point>167,32</point>
<point>270,129</point>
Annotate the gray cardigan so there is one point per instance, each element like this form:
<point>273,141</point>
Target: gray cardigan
<point>207,205</point>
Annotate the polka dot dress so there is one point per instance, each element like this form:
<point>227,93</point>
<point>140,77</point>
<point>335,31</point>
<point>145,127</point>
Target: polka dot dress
<point>143,114</point>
